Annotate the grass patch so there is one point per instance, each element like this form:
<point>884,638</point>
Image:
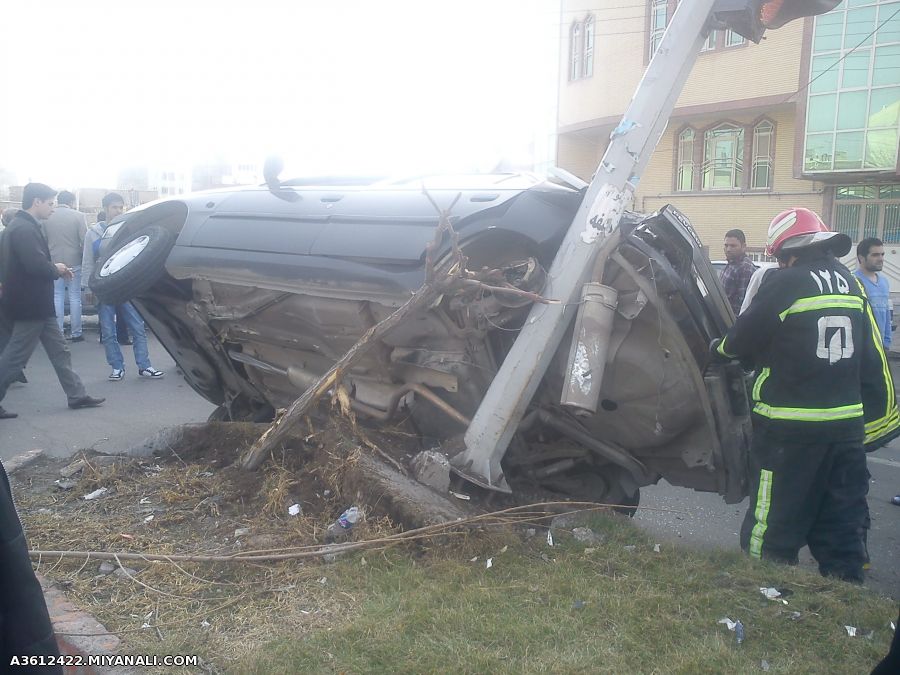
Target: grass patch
<point>604,608</point>
<point>616,606</point>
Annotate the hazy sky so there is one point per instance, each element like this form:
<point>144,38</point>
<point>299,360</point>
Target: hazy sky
<point>343,86</point>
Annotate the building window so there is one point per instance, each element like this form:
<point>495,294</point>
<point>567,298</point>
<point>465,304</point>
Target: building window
<point>659,18</point>
<point>575,51</point>
<point>733,39</point>
<point>581,49</point>
<point>588,65</point>
<point>763,156</point>
<point>853,104</point>
<point>685,175</point>
<point>862,211</point>
<point>723,158</point>
<point>719,39</point>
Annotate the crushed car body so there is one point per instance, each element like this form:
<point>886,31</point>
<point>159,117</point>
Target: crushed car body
<point>257,291</point>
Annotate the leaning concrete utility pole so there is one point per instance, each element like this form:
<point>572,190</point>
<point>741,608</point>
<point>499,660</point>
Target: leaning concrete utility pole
<point>595,226</point>
<point>596,223</point>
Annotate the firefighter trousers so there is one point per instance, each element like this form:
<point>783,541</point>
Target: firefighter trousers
<point>807,493</point>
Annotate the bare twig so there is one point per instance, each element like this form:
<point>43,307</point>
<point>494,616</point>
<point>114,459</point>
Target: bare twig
<point>430,291</point>
<point>516,515</point>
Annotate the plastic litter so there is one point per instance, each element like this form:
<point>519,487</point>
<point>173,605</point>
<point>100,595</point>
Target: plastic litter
<point>241,531</point>
<point>764,665</point>
<point>343,526</point>
<point>490,563</point>
<point>459,495</point>
<point>475,559</point>
<point>148,519</point>
<point>578,604</point>
<point>96,493</point>
<point>144,500</point>
<point>736,626</point>
<point>294,509</point>
<point>775,594</point>
<point>63,484</point>
<point>630,548</point>
<point>205,624</point>
<point>656,548</point>
<point>853,631</point>
<point>549,538</point>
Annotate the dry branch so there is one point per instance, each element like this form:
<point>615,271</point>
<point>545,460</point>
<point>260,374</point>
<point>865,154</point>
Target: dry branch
<point>516,515</point>
<point>438,281</point>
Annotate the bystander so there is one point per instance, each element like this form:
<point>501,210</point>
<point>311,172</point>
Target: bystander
<point>65,230</point>
<point>27,302</point>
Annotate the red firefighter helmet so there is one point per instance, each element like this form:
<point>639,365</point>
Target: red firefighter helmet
<point>798,228</point>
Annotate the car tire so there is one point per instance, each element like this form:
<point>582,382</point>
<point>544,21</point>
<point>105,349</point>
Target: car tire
<point>133,267</point>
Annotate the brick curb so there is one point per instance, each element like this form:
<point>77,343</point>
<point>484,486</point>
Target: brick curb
<point>67,618</point>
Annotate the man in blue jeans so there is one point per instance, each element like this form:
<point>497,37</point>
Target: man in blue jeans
<point>114,206</point>
<point>111,343</point>
<point>65,230</point>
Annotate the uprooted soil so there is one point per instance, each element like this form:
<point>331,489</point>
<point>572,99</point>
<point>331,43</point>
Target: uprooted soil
<point>194,498</point>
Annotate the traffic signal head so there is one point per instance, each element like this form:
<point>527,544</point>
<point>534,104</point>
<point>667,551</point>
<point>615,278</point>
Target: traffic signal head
<point>751,18</point>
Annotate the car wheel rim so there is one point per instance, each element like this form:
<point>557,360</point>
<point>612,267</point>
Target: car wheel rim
<point>124,256</point>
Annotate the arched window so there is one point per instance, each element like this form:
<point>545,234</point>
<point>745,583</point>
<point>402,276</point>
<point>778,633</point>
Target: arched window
<point>575,50</point>
<point>588,68</point>
<point>685,179</point>
<point>723,158</point>
<point>763,156</point>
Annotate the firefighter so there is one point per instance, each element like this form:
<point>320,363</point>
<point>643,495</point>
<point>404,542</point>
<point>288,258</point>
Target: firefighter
<point>821,393</point>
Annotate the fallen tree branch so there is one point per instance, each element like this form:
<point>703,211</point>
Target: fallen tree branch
<point>430,291</point>
<point>516,515</point>
<point>510,290</point>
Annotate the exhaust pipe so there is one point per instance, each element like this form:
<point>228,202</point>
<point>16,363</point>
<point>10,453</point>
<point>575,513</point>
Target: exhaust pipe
<point>590,346</point>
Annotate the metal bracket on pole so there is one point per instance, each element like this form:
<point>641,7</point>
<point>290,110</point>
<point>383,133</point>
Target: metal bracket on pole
<point>594,227</point>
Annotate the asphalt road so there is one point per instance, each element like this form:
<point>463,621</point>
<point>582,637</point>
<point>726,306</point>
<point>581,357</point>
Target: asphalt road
<point>708,521</point>
<point>135,408</point>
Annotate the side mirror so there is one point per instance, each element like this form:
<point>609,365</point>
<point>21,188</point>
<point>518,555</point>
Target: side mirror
<point>272,167</point>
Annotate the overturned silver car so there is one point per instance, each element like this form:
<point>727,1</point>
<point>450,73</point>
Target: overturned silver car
<point>256,292</point>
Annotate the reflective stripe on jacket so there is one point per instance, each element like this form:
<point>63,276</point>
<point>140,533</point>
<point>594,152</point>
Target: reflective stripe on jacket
<point>808,333</point>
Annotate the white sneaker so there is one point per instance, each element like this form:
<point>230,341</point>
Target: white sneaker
<point>151,372</point>
<point>117,374</point>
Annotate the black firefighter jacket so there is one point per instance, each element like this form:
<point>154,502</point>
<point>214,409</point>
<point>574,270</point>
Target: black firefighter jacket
<point>822,371</point>
<point>26,271</point>
<point>25,628</point>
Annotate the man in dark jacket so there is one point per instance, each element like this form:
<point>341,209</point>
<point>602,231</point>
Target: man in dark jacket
<point>25,628</point>
<point>27,302</point>
<point>808,333</point>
